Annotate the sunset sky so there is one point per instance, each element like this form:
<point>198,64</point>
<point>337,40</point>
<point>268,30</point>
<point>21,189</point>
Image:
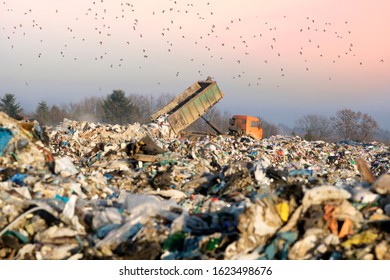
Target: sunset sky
<point>278,59</point>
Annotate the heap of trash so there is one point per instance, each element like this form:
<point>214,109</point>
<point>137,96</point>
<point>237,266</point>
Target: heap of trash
<point>84,190</point>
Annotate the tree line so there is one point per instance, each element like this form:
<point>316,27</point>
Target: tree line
<point>346,124</point>
<point>120,108</point>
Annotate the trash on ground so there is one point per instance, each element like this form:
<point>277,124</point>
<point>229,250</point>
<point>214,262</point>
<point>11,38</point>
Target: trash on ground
<point>95,191</point>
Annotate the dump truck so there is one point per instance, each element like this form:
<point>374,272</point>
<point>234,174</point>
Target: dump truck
<point>190,105</point>
<point>194,102</point>
<point>245,125</point>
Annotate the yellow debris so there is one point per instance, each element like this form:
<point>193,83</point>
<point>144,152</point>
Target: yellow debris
<point>283,210</point>
<point>361,238</point>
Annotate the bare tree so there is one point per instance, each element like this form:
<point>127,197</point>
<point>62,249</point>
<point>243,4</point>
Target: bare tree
<point>367,128</point>
<point>383,136</point>
<point>346,124</point>
<point>224,123</point>
<point>89,109</point>
<point>161,101</point>
<point>148,104</point>
<point>57,115</point>
<point>315,127</point>
<point>269,129</point>
<point>350,125</point>
<point>145,105</point>
<point>152,103</point>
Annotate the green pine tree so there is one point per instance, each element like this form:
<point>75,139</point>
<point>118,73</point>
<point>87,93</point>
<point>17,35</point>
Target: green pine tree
<point>42,113</point>
<point>8,105</point>
<point>118,108</point>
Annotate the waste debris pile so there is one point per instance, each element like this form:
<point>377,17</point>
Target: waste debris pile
<point>96,191</point>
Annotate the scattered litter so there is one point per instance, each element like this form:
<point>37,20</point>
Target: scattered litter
<point>98,191</point>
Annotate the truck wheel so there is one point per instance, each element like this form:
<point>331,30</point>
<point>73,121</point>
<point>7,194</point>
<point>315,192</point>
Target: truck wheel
<point>235,133</point>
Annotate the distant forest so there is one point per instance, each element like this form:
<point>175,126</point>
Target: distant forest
<point>121,108</point>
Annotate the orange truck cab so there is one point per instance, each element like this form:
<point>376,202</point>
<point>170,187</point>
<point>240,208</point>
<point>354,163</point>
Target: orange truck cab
<point>245,125</point>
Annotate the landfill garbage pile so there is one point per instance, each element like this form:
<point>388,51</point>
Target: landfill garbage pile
<point>95,191</point>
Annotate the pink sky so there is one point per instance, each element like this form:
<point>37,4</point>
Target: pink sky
<point>348,65</point>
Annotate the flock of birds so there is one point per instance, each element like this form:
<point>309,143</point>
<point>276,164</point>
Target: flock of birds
<point>233,43</point>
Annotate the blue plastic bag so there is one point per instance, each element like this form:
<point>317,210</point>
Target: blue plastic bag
<point>5,137</point>
<point>18,179</point>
